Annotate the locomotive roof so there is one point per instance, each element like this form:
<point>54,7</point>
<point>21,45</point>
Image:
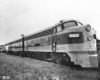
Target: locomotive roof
<point>61,21</point>
<point>15,41</point>
<point>31,35</point>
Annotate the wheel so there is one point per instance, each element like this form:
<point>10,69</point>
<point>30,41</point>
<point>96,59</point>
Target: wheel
<point>66,60</point>
<point>61,58</point>
<point>58,59</point>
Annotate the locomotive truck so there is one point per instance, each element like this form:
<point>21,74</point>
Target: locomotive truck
<point>68,42</point>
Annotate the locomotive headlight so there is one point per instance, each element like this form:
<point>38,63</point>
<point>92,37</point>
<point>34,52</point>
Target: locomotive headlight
<point>88,28</point>
<point>73,35</point>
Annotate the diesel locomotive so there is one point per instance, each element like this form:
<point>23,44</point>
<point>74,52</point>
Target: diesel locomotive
<point>68,42</point>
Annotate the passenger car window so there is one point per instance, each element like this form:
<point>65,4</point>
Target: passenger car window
<point>25,43</point>
<point>20,44</point>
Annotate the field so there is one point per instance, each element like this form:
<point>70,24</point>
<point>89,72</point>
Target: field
<point>18,68</point>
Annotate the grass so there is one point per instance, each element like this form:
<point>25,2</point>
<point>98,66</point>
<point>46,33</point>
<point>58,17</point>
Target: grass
<point>18,69</point>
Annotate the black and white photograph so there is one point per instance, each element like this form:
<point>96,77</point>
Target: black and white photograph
<point>49,40</point>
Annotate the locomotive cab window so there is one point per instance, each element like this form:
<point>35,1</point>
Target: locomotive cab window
<point>70,24</point>
<point>59,29</point>
<point>79,24</point>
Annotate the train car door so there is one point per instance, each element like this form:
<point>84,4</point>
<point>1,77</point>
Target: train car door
<point>54,40</point>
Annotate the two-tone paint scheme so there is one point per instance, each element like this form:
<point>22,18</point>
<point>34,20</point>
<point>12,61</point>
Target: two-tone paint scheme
<point>68,41</point>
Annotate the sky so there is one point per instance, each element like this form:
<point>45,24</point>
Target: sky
<point>28,16</point>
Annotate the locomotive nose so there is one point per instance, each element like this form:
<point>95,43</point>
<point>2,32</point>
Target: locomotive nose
<point>94,60</point>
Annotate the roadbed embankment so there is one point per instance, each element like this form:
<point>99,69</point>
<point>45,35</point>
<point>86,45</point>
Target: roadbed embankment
<point>30,69</point>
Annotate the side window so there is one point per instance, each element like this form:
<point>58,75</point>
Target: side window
<point>35,41</point>
<point>20,44</point>
<point>12,45</point>
<point>17,45</point>
<point>32,43</point>
<point>59,29</point>
<point>38,41</point>
<point>41,40</point>
<point>54,30</point>
<point>47,38</point>
<point>27,43</point>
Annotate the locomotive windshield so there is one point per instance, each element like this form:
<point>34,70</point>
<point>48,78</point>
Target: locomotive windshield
<point>70,24</point>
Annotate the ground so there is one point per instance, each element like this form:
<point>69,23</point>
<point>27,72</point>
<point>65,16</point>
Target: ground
<point>18,68</point>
